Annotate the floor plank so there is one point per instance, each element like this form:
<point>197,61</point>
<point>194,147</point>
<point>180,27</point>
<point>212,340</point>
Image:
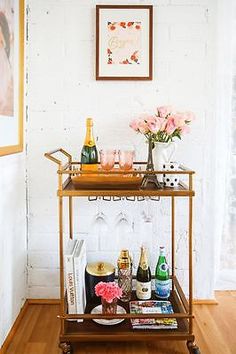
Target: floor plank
<point>214,329</point>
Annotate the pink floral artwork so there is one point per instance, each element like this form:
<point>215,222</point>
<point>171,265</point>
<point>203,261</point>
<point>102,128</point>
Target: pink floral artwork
<point>124,43</point>
<point>6,58</point>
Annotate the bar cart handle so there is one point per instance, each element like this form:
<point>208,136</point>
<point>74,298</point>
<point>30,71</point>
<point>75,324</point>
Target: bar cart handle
<point>49,156</point>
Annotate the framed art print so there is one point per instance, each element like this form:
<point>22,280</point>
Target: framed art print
<point>11,76</point>
<point>124,37</point>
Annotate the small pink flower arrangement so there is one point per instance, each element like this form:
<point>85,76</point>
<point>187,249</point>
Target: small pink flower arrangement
<point>108,291</point>
<point>163,126</point>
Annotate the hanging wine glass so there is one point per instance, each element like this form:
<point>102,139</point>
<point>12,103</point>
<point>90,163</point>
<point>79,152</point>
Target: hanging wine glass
<point>99,226</point>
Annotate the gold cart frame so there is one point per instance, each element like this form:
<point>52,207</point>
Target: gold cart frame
<point>72,331</point>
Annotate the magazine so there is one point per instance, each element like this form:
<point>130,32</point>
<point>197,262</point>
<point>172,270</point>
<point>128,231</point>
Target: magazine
<point>152,306</point>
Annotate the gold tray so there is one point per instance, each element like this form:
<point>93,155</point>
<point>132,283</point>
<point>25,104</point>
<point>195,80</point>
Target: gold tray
<point>107,181</point>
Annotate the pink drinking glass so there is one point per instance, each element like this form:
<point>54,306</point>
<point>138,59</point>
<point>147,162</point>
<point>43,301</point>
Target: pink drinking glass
<point>107,159</point>
<point>126,158</point>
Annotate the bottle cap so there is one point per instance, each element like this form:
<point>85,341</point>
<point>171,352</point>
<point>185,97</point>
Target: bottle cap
<point>162,249</point>
<point>89,121</point>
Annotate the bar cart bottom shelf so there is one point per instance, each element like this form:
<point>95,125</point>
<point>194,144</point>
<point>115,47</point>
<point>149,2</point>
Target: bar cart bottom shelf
<point>88,330</point>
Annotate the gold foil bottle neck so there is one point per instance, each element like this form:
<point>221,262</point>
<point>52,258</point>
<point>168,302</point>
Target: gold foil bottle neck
<point>143,258</point>
<point>89,122</point>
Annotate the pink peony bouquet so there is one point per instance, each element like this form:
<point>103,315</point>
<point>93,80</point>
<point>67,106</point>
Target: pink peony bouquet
<point>108,291</point>
<point>163,126</point>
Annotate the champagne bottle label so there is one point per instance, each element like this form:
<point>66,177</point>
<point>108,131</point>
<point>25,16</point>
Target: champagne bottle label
<point>162,288</point>
<point>143,290</point>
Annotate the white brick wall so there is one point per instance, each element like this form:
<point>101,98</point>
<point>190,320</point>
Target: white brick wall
<point>13,248</point>
<point>62,92</point>
<point>227,260</point>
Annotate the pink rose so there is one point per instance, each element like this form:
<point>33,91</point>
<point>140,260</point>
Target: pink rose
<point>162,122</point>
<point>179,119</point>
<point>163,111</point>
<point>143,127</point>
<point>153,124</point>
<point>170,126</point>
<point>135,124</point>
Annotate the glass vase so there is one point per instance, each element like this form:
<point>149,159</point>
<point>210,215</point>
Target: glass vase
<point>109,308</point>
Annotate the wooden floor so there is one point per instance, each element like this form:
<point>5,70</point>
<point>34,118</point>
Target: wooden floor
<point>215,330</point>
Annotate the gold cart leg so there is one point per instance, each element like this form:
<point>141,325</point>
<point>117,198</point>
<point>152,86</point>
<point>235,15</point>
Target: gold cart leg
<point>71,217</point>
<point>190,264</point>
<point>173,239</point>
<point>62,303</point>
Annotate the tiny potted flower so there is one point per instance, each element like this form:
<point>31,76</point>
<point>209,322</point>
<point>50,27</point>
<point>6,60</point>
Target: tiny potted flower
<point>110,292</point>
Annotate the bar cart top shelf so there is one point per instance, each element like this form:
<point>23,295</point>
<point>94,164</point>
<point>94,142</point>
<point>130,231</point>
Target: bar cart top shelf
<point>66,187</point>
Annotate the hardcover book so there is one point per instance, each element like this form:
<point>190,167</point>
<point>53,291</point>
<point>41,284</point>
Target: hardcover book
<point>152,306</point>
<point>69,276</point>
<point>79,270</point>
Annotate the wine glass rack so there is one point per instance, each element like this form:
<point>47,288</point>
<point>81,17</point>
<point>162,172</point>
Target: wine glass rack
<point>88,330</point>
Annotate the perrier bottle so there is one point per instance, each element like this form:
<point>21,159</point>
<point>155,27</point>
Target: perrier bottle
<point>162,278</point>
<point>89,154</point>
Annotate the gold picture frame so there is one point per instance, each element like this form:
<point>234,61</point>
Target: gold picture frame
<point>12,84</point>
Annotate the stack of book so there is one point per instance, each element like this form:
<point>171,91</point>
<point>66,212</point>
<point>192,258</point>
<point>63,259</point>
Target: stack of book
<point>75,263</point>
<point>152,306</point>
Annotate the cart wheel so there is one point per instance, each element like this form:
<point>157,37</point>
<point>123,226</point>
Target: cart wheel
<point>193,348</point>
<point>66,347</point>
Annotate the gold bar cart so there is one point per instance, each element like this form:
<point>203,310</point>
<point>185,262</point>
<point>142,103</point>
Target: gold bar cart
<point>73,331</point>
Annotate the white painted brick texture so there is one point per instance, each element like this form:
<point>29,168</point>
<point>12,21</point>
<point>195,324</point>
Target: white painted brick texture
<point>62,92</point>
<point>13,248</point>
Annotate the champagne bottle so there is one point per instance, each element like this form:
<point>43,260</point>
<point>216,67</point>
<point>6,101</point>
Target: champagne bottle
<point>162,278</point>
<point>143,278</point>
<point>125,275</point>
<point>89,154</point>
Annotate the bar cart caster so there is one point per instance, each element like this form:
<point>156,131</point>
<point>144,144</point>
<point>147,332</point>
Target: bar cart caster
<point>193,348</point>
<point>66,347</point>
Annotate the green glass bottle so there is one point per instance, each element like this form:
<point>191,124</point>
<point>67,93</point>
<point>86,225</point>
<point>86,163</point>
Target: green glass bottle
<point>89,154</point>
<point>143,278</point>
<point>162,277</point>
